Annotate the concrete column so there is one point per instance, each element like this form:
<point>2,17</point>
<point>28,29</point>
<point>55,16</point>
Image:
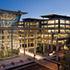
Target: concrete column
<point>27,41</point>
<point>52,42</point>
<point>57,47</point>
<point>35,44</point>
<point>43,48</point>
<point>24,40</point>
<point>43,45</point>
<point>11,40</point>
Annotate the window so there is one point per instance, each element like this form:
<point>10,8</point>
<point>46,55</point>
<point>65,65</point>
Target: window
<point>49,31</point>
<point>62,30</point>
<point>45,26</point>
<point>67,21</point>
<point>20,22</point>
<point>56,25</point>
<point>56,21</point>
<point>53,30</point>
<point>62,21</point>
<point>67,30</point>
<point>45,21</point>
<point>62,25</point>
<point>50,25</point>
<point>67,26</point>
<point>56,30</point>
<point>50,21</point>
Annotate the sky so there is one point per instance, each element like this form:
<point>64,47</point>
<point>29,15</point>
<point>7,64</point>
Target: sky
<point>36,8</point>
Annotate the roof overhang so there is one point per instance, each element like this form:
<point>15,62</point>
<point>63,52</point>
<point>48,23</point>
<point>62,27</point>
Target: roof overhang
<point>13,12</point>
<point>55,16</point>
<point>33,20</point>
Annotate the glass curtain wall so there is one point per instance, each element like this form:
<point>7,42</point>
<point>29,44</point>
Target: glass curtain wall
<point>8,36</point>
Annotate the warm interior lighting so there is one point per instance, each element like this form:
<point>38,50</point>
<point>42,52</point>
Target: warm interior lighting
<point>52,53</point>
<point>66,48</point>
<point>56,21</point>
<point>21,51</point>
<point>62,21</point>
<point>51,21</point>
<point>28,53</point>
<point>38,57</point>
<point>67,21</point>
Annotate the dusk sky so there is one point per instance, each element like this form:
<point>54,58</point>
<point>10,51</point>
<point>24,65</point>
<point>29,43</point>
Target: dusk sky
<point>36,8</point>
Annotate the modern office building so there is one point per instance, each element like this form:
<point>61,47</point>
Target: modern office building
<point>58,29</point>
<point>9,35</point>
<point>38,36</point>
<point>45,35</point>
<point>28,36</point>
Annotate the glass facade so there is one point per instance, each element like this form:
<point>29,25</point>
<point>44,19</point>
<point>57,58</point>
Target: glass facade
<point>8,36</point>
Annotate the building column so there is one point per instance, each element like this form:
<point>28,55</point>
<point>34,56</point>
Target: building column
<point>24,40</point>
<point>57,47</point>
<point>35,44</point>
<point>27,41</point>
<point>43,45</point>
<point>1,38</point>
<point>12,41</point>
<point>43,48</point>
<point>52,35</point>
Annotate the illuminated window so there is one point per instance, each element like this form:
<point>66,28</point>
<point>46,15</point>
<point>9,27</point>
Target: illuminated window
<point>45,35</point>
<point>50,25</point>
<point>51,21</point>
<point>56,30</point>
<point>67,30</point>
<point>62,21</point>
<point>53,30</point>
<point>62,25</point>
<point>54,42</point>
<point>56,21</point>
<point>32,23</point>
<point>45,21</point>
<point>56,25</point>
<point>37,23</point>
<point>67,21</point>
<point>25,23</point>
<point>67,26</point>
<point>61,35</point>
<point>20,26</point>
<point>20,22</point>
<point>55,36</point>
<point>45,26</point>
<point>49,31</point>
<point>49,41</point>
<point>62,30</point>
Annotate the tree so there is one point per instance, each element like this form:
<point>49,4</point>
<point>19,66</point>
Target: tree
<point>68,42</point>
<point>66,62</point>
